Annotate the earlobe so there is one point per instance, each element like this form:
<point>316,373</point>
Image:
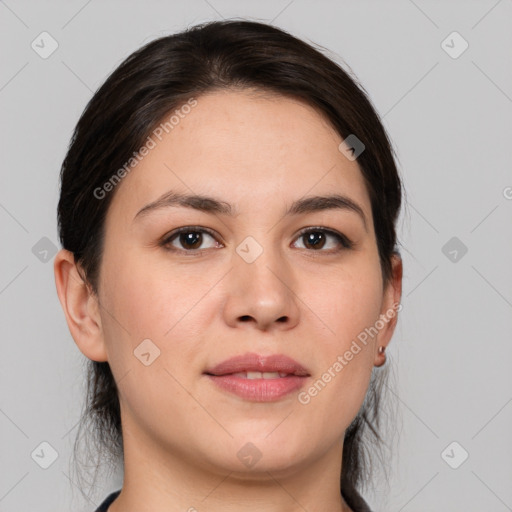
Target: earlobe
<point>80,306</point>
<point>390,308</point>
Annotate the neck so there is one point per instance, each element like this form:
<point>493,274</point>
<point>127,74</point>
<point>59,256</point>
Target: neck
<point>159,480</point>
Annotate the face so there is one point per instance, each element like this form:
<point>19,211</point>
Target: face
<point>260,270</point>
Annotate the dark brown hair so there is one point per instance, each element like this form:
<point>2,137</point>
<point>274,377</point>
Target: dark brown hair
<point>160,77</point>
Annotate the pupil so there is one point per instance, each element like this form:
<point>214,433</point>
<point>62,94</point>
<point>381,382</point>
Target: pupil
<point>190,239</point>
<point>315,239</point>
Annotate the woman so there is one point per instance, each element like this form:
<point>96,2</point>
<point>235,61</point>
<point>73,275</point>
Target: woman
<point>229,267</point>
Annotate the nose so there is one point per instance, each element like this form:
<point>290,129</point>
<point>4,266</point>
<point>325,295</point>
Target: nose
<point>261,294</point>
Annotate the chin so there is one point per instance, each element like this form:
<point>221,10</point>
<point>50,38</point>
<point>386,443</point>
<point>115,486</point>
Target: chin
<point>265,451</point>
<point>263,465</point>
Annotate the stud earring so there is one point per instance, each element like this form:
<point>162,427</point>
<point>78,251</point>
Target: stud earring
<point>381,351</point>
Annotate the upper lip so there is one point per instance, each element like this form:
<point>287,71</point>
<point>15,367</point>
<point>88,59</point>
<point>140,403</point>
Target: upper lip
<point>258,363</point>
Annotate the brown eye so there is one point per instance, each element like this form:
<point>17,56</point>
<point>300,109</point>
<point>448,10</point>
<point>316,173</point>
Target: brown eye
<point>314,239</point>
<point>317,239</point>
<point>189,240</point>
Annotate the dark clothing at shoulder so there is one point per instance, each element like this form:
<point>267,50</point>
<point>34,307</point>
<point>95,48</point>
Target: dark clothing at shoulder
<point>108,500</point>
<point>354,501</point>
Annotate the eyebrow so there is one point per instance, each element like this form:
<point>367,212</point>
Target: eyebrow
<point>212,205</point>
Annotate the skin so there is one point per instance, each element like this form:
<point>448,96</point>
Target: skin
<point>181,433</point>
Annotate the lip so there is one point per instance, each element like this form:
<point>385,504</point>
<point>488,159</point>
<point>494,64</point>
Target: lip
<point>259,389</point>
<point>258,363</point>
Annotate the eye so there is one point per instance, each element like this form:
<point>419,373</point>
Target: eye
<point>190,239</point>
<point>317,239</point>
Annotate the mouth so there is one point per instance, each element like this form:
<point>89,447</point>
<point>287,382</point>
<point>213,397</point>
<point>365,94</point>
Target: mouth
<point>260,375</point>
<point>258,378</point>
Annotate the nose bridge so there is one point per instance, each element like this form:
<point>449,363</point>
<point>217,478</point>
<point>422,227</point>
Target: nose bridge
<point>260,285</point>
<point>261,267</point>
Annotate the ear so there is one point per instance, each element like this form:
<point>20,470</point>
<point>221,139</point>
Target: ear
<point>81,307</point>
<point>390,307</point>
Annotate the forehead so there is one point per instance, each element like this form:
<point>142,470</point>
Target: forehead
<point>245,147</point>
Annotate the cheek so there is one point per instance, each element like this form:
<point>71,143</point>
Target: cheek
<point>354,307</point>
<point>145,297</point>
<point>145,303</point>
<point>349,302</point>
<point>152,299</point>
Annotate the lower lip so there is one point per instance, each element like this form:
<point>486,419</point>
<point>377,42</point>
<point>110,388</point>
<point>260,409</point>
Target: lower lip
<point>259,390</point>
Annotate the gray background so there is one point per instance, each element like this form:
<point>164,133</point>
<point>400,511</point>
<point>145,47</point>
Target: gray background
<point>449,119</point>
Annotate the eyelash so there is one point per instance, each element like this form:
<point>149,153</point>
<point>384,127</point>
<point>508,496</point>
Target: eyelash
<point>166,242</point>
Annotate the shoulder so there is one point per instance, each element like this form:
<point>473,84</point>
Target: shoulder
<point>355,501</point>
<point>107,501</point>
